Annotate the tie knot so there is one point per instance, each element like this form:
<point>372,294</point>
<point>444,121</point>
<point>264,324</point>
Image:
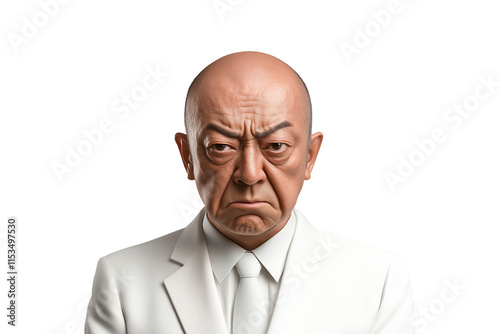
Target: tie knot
<point>248,266</point>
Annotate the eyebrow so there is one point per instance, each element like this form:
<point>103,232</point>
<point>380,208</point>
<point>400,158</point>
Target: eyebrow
<point>266,133</point>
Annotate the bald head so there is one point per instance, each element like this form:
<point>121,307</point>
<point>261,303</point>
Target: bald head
<point>254,74</point>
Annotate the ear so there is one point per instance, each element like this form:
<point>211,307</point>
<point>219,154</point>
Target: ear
<point>312,154</point>
<point>183,145</point>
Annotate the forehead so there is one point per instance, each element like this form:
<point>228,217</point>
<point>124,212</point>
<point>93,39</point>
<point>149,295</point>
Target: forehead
<point>258,102</point>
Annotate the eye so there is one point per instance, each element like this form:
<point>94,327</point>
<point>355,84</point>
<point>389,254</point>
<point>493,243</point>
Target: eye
<point>277,147</point>
<point>219,147</point>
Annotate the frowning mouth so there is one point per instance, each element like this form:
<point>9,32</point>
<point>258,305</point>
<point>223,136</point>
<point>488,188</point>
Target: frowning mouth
<point>247,204</point>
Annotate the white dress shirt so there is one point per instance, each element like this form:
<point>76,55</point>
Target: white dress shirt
<point>224,254</point>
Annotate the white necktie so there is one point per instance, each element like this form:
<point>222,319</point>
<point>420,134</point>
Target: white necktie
<point>250,315</point>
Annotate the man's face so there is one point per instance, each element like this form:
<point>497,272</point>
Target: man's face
<point>249,155</point>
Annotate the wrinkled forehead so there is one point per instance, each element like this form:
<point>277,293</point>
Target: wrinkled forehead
<point>234,98</point>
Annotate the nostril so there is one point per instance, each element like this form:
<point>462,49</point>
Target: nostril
<point>249,176</point>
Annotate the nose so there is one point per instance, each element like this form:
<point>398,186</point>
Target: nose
<point>249,170</point>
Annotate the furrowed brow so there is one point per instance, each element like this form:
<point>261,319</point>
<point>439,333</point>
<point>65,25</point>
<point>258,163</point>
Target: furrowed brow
<point>266,133</point>
<point>223,131</point>
<point>282,125</point>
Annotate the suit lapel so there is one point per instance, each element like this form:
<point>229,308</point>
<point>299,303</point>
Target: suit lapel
<point>191,288</point>
<point>299,298</point>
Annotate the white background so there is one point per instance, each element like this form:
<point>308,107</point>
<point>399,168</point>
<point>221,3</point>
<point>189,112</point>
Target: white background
<point>132,187</point>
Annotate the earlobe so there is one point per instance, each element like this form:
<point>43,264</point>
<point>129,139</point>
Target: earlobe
<point>312,154</point>
<point>183,145</point>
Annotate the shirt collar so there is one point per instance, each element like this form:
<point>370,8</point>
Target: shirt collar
<point>224,253</point>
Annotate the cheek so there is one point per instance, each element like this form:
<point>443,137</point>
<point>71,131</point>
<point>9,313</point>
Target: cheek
<point>295,168</point>
<point>287,182</point>
<point>211,181</point>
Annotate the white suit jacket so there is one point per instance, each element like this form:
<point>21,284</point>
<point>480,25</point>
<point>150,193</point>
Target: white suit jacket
<point>329,285</point>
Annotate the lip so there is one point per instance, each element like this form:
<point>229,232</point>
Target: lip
<point>248,204</point>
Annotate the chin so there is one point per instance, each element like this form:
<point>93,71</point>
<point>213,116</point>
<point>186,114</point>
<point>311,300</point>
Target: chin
<point>248,225</point>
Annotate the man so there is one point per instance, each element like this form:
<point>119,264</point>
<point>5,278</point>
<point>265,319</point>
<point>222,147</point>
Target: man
<point>249,262</point>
